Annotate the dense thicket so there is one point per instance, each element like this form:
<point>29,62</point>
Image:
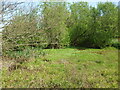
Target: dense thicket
<point>55,25</point>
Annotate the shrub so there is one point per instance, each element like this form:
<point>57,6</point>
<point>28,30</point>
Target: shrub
<point>116,45</point>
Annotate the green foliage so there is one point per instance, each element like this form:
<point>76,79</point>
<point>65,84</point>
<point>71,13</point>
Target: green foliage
<point>93,27</point>
<point>104,24</point>
<point>59,24</point>
<point>28,52</point>
<point>55,15</point>
<point>23,32</point>
<point>80,18</point>
<point>115,43</point>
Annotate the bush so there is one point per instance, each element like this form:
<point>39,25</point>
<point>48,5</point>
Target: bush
<point>28,52</point>
<point>116,45</point>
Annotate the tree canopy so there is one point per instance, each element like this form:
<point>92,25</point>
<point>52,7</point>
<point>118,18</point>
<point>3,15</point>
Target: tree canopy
<point>60,24</point>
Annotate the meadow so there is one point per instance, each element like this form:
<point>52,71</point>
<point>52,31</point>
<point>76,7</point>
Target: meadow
<point>62,68</point>
<point>59,45</point>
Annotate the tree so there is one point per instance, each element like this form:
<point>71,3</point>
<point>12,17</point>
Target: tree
<point>93,27</point>
<point>22,31</point>
<point>104,24</point>
<point>7,8</point>
<point>54,24</point>
<point>80,18</point>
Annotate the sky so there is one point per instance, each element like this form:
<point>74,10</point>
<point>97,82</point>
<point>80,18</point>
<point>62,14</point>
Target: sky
<point>63,0</point>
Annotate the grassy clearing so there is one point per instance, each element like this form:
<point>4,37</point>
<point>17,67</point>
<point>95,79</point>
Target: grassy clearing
<point>65,68</point>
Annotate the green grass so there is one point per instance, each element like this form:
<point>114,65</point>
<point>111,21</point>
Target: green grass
<point>66,68</point>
